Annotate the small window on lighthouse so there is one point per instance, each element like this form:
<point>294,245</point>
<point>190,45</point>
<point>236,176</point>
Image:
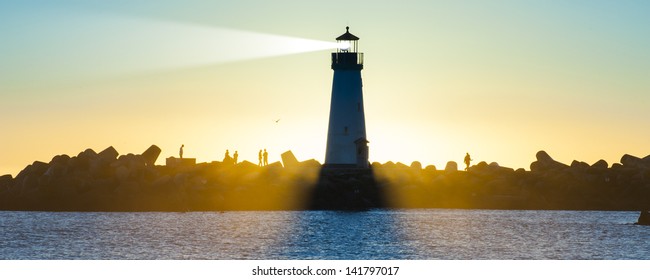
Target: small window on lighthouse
<point>345,130</point>
<point>358,107</point>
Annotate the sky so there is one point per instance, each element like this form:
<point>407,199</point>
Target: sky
<point>498,79</point>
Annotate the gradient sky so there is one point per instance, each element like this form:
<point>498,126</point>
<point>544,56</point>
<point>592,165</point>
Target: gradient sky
<point>498,79</point>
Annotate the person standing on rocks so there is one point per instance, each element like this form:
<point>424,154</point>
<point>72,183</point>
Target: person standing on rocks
<point>235,156</point>
<point>266,158</point>
<point>226,158</point>
<point>259,157</point>
<point>180,153</point>
<point>467,160</point>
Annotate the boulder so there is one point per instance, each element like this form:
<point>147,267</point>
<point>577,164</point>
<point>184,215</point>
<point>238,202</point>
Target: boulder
<point>495,167</point>
<point>644,218</point>
<point>6,181</point>
<point>89,153</point>
<point>617,166</point>
<point>161,181</point>
<point>491,169</point>
<point>451,166</point>
<point>80,162</point>
<point>247,165</point>
<point>60,159</point>
<point>122,173</point>
<point>289,160</point>
<point>29,181</point>
<point>631,161</point>
<point>430,168</point>
<point>542,156</point>
<point>56,169</point>
<point>311,163</point>
<point>600,164</point>
<point>400,165</point>
<point>274,165</point>
<point>109,153</point>
<point>180,179</point>
<point>581,165</point>
<point>535,166</point>
<point>37,168</point>
<point>172,161</point>
<point>180,162</point>
<point>545,162</point>
<point>481,167</point>
<point>151,155</point>
<point>100,166</point>
<point>131,161</point>
<point>416,165</point>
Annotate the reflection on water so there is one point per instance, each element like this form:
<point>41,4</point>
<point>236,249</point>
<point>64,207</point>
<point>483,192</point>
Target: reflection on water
<point>345,235</point>
<point>407,234</point>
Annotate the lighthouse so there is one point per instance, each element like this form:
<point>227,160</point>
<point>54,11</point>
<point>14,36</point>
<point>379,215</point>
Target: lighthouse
<point>347,146</point>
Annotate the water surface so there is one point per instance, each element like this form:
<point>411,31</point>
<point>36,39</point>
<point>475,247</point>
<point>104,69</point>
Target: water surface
<point>380,234</point>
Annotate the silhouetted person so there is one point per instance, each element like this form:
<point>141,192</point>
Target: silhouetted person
<point>467,161</point>
<point>227,158</point>
<point>235,156</point>
<point>181,151</point>
<point>259,156</point>
<point>266,158</point>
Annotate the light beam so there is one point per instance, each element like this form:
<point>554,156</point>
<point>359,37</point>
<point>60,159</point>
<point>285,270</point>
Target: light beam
<point>77,45</point>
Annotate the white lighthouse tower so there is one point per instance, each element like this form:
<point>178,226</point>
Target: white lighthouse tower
<point>347,146</point>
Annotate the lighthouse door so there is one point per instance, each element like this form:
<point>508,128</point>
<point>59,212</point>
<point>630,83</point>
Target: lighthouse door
<point>362,152</point>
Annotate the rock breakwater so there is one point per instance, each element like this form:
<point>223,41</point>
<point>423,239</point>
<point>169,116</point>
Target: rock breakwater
<point>107,181</point>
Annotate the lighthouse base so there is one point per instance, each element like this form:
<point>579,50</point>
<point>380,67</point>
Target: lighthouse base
<point>349,189</point>
<point>343,166</point>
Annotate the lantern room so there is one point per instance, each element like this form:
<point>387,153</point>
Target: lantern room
<point>346,55</point>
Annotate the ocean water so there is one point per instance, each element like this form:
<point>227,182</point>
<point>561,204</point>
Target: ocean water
<point>377,234</point>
